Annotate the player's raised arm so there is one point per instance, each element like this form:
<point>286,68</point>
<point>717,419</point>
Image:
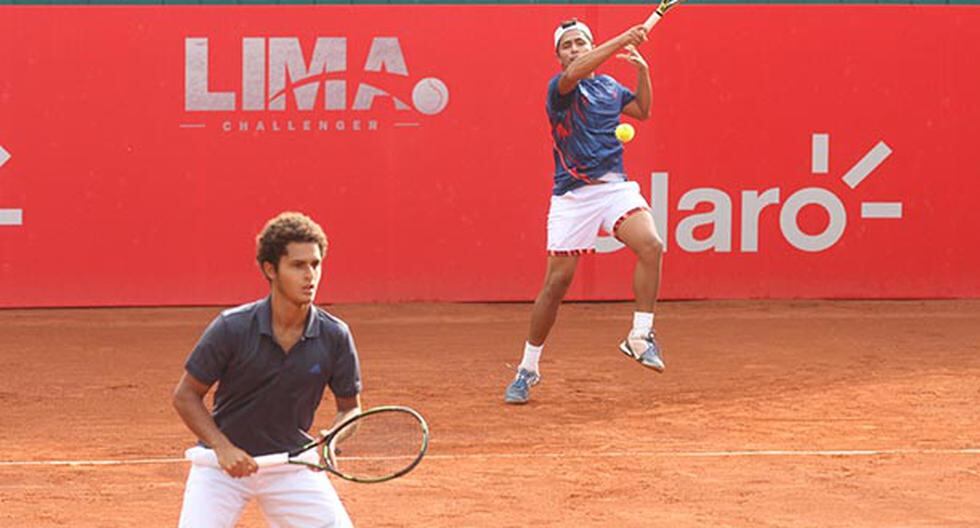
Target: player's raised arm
<point>579,61</point>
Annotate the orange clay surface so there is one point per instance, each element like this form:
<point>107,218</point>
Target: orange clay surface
<point>741,430</point>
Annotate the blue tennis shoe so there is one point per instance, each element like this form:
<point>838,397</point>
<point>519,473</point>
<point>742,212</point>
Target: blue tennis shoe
<point>644,349</point>
<point>519,390</point>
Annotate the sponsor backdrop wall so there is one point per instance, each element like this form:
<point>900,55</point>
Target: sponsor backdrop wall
<point>793,151</point>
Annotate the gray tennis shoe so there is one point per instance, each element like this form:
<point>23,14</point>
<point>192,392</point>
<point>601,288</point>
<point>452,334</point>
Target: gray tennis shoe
<point>519,390</point>
<point>644,349</point>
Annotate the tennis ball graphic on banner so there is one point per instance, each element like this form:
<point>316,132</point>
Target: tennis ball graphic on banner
<point>430,96</point>
<point>625,132</point>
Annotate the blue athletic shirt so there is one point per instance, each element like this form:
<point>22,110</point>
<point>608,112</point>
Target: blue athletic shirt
<point>583,125</point>
<point>266,398</point>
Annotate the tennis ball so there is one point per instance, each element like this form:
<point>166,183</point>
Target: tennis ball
<point>625,132</point>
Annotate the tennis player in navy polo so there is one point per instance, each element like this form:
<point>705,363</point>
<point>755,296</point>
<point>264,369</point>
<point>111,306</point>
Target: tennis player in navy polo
<point>272,360</point>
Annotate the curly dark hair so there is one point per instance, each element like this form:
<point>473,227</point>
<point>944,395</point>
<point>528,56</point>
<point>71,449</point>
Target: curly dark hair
<point>285,228</point>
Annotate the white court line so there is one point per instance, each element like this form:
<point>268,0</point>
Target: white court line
<point>577,454</point>
<point>119,462</point>
<point>722,454</point>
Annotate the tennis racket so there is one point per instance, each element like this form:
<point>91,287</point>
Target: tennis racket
<point>659,13</point>
<point>377,445</point>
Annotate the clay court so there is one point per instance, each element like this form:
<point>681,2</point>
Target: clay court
<point>770,414</point>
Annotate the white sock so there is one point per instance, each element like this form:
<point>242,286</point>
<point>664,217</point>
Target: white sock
<point>642,323</point>
<point>531,355</point>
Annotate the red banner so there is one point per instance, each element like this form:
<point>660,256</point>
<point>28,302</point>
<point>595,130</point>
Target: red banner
<point>793,151</point>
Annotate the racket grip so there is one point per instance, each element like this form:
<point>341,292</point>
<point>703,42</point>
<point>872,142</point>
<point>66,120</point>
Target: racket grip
<point>277,459</point>
<point>200,456</point>
<point>652,20</point>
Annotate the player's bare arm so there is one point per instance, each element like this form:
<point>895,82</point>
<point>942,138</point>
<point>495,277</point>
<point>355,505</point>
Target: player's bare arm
<point>347,407</point>
<point>585,64</point>
<point>188,399</point>
<point>638,108</point>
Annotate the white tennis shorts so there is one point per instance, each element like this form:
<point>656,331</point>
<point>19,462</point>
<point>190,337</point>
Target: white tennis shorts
<point>289,496</point>
<point>576,217</point>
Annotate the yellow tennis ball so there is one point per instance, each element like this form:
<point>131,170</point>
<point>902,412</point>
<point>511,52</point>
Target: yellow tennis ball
<point>625,132</point>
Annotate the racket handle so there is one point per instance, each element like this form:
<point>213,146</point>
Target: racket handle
<point>277,459</point>
<point>652,20</point>
<point>200,456</point>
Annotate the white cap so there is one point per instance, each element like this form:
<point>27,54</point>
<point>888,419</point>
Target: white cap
<point>565,28</point>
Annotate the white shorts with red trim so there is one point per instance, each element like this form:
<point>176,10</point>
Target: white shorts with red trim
<point>576,217</point>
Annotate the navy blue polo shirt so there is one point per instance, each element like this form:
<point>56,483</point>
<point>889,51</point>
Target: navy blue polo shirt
<point>266,399</point>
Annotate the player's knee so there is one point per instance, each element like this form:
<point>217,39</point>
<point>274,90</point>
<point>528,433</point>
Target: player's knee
<point>658,245</point>
<point>650,250</point>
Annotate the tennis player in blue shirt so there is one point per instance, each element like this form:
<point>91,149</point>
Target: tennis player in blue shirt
<point>591,190</point>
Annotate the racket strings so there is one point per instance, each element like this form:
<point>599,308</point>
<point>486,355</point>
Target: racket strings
<point>379,445</point>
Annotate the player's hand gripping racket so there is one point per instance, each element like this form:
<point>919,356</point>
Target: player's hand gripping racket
<point>377,445</point>
<point>659,13</point>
